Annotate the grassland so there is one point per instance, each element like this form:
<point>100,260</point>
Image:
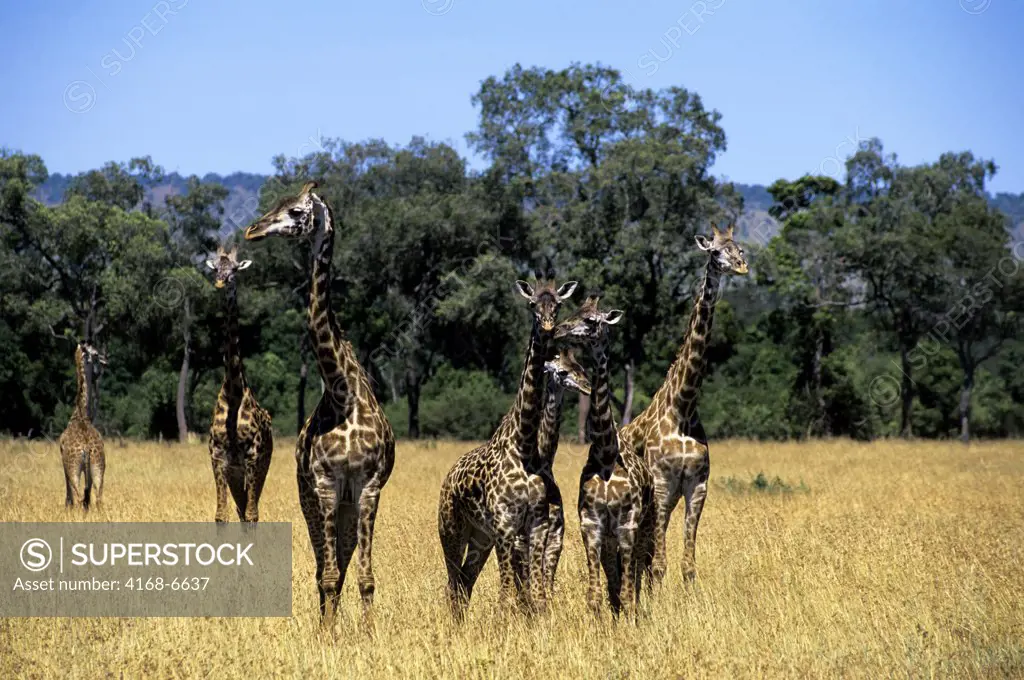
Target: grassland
<point>860,560</point>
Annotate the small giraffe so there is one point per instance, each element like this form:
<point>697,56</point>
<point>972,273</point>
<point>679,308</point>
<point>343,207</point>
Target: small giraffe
<point>346,451</point>
<point>616,503</point>
<point>494,496</point>
<point>564,372</point>
<point>241,436</point>
<point>81,446</point>
<point>668,433</point>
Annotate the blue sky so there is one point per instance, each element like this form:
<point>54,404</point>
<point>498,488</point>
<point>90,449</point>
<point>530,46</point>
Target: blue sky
<point>217,86</point>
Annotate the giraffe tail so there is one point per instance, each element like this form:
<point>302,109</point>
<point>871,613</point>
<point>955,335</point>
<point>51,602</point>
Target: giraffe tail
<point>87,489</point>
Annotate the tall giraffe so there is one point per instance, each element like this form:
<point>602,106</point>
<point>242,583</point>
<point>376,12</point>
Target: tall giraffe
<point>241,436</point>
<point>494,496</point>
<point>669,434</point>
<point>81,446</point>
<point>564,372</point>
<point>616,503</point>
<point>346,451</point>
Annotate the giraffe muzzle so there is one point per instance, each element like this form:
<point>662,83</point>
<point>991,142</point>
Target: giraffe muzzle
<point>256,232</point>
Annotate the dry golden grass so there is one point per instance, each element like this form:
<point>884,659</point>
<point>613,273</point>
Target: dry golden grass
<point>902,559</point>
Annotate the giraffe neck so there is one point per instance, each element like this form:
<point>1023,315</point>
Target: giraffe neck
<point>334,356</point>
<point>82,398</point>
<point>524,417</point>
<point>234,372</point>
<point>550,421</point>
<point>604,438</point>
<point>687,372</point>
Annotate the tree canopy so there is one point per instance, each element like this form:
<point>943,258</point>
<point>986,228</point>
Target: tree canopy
<point>887,304</point>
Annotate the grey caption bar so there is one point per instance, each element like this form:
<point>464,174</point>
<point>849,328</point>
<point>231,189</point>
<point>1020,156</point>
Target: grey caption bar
<point>145,569</point>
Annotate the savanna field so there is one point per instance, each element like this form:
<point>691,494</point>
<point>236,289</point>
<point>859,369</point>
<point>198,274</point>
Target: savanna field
<point>889,559</point>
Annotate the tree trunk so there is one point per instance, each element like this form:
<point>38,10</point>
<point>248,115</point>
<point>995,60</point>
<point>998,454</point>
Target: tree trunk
<point>816,381</point>
<point>581,426</point>
<point>627,402</point>
<point>965,406</point>
<point>183,380</point>
<point>906,393</point>
<point>412,393</point>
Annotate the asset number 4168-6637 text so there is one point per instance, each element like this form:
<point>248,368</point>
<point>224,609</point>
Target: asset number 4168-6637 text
<point>158,583</point>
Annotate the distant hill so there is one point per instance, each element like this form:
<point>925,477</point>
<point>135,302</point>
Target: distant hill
<point>754,226</point>
<point>242,201</point>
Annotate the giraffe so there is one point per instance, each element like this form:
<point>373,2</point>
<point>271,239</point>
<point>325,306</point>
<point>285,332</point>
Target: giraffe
<point>668,433</point>
<point>81,446</point>
<point>616,502</point>
<point>346,451</point>
<point>494,497</point>
<point>241,436</point>
<point>564,372</point>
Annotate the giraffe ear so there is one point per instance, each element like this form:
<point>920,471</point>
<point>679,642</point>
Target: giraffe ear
<point>244,264</point>
<point>613,316</point>
<point>525,289</point>
<point>702,242</point>
<point>308,186</point>
<point>566,290</point>
<point>211,264</point>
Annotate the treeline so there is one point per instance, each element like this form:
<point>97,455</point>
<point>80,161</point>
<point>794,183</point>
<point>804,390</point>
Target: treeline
<point>885,305</point>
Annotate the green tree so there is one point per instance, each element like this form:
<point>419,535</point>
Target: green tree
<point>609,183</point>
<point>893,249</point>
<point>193,223</point>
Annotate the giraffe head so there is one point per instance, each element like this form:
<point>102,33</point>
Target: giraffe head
<point>589,325</point>
<point>91,355</point>
<point>291,217</point>
<point>545,300</point>
<point>224,266</point>
<point>565,372</point>
<point>725,253</point>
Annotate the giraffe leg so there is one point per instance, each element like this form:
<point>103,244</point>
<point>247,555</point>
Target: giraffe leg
<point>612,565</point>
<point>509,564</point>
<point>538,534</point>
<point>590,526</point>
<point>645,553</point>
<point>626,563</point>
<point>664,503</point>
<point>69,498</point>
<point>250,511</point>
<point>254,487</point>
<point>451,531</point>
<point>330,580</point>
<point>368,502</point>
<point>695,490</point>
<point>478,549</point>
<point>218,458</point>
<point>97,468</point>
<point>70,482</point>
<point>553,547</point>
<point>310,505</point>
